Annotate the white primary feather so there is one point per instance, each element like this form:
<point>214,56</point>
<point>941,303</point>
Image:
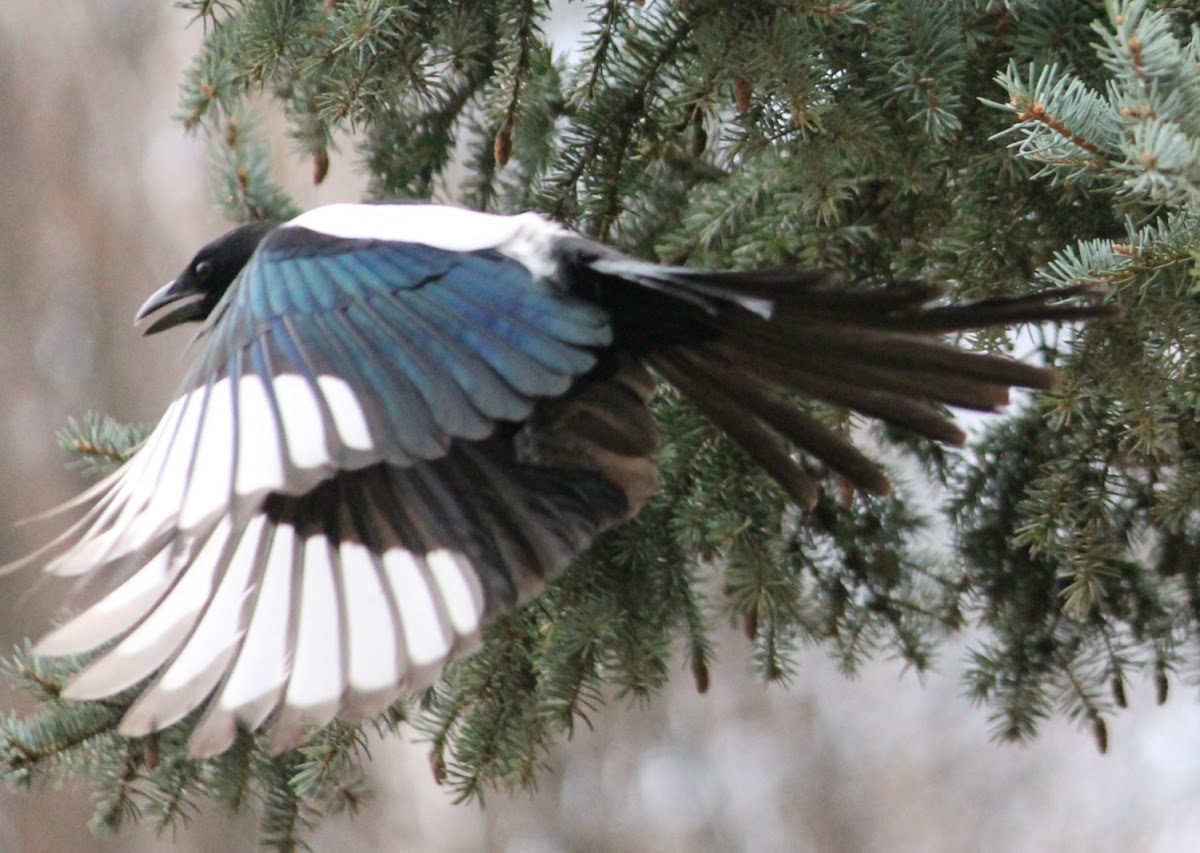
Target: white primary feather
<point>181,478</point>
<point>218,631</point>
<point>116,612</point>
<point>157,637</point>
<point>263,662</point>
<point>373,654</point>
<point>262,616</point>
<point>304,427</point>
<point>128,493</point>
<point>159,497</point>
<point>260,451</point>
<point>158,708</point>
<point>211,477</point>
<point>427,640</point>
<point>459,587</point>
<point>348,416</point>
<point>187,473</point>
<point>218,726</point>
<point>316,681</point>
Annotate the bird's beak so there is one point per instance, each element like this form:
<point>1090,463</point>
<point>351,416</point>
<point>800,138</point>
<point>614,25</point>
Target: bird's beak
<point>171,294</point>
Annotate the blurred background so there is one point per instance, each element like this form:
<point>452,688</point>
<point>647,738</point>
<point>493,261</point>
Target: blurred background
<point>103,198</point>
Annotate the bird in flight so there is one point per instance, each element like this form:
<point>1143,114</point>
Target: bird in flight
<point>401,420</point>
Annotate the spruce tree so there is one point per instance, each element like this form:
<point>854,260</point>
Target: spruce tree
<point>1000,145</point>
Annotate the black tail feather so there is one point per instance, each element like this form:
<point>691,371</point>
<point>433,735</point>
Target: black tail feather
<point>760,444</point>
<point>877,375</point>
<point>729,393</point>
<point>874,351</point>
<point>915,414</point>
<point>845,342</point>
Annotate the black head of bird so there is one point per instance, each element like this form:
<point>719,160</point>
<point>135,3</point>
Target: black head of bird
<point>401,420</point>
<point>196,291</point>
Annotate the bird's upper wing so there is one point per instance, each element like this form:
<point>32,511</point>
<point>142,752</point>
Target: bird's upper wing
<point>331,353</point>
<point>327,511</point>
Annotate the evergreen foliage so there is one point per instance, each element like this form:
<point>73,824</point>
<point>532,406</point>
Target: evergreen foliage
<point>1002,146</point>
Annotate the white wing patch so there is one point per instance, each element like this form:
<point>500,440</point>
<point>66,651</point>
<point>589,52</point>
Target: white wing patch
<point>267,621</point>
<point>116,613</point>
<point>157,636</point>
<point>316,683</point>
<point>426,638</point>
<point>264,661</point>
<point>259,463</point>
<point>218,630</point>
<point>375,663</point>
<point>459,587</point>
<point>217,446</point>
<point>348,416</point>
<point>210,484</point>
<point>300,412</point>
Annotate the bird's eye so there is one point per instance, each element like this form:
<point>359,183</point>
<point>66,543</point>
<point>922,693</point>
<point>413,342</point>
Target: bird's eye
<point>202,269</point>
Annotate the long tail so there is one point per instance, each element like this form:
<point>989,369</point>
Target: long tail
<point>756,336</point>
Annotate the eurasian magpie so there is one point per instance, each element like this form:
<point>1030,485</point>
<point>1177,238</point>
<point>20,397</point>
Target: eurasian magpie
<point>401,420</point>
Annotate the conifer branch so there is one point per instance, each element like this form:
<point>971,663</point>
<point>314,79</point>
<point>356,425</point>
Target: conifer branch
<point>873,139</point>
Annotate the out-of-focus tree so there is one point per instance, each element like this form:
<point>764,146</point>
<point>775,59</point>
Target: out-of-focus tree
<point>1000,146</point>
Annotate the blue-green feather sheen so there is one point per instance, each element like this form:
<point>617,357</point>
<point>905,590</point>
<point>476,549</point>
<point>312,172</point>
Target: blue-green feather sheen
<point>435,344</point>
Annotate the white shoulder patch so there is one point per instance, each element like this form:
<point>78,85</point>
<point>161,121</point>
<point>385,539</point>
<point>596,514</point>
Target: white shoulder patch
<point>527,238</point>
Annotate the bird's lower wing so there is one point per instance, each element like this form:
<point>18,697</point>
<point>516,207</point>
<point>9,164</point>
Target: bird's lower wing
<point>335,602</point>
